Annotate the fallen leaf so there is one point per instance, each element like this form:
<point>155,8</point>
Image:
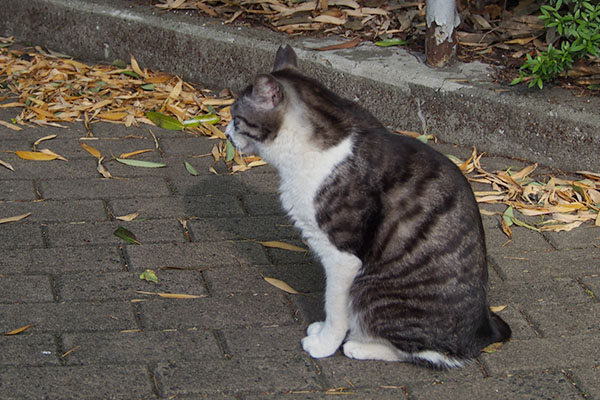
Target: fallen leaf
<point>134,153</point>
<point>18,330</point>
<point>208,119</point>
<point>51,153</point>
<point>283,246</point>
<point>103,171</point>
<point>112,116</point>
<point>66,353</point>
<point>10,126</point>
<point>126,235</point>
<point>91,150</point>
<point>35,155</point>
<point>149,275</point>
<point>281,285</point>
<point>497,309</point>
<point>15,218</point>
<point>136,67</point>
<point>229,151</point>
<point>140,163</point>
<point>390,42</point>
<point>49,137</point>
<point>165,121</point>
<point>128,217</point>
<point>492,348</point>
<point>190,168</point>
<point>7,165</point>
<point>173,295</point>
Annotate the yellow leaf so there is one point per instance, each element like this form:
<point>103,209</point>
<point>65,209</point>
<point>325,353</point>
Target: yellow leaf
<point>283,245</point>
<point>176,90</point>
<point>35,155</point>
<point>281,285</point>
<point>128,217</point>
<point>51,153</point>
<point>561,227</point>
<point>496,309</point>
<point>134,153</point>
<point>18,330</point>
<point>15,218</point>
<point>112,116</point>
<point>101,104</point>
<point>506,229</point>
<point>91,150</point>
<point>257,163</point>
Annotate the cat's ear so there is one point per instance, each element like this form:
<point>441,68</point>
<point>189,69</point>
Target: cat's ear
<point>266,91</point>
<point>285,58</point>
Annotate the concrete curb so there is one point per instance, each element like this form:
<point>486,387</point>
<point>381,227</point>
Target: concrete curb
<point>461,105</point>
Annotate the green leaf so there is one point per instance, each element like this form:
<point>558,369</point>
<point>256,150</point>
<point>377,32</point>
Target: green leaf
<point>190,168</point>
<point>207,119</point>
<point>423,138</point>
<point>148,86</point>
<point>595,86</point>
<point>164,121</point>
<point>119,63</point>
<point>130,73</point>
<point>390,42</point>
<point>229,151</point>
<point>508,216</point>
<point>126,235</point>
<point>149,275</point>
<point>140,163</point>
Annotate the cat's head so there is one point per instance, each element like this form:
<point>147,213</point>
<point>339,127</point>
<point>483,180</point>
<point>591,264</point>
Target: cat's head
<point>258,112</point>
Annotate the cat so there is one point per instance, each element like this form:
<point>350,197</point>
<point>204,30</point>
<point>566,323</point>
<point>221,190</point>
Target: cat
<point>394,223</point>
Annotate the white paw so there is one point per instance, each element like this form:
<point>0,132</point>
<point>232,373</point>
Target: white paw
<point>319,346</point>
<point>354,349</point>
<point>314,328</point>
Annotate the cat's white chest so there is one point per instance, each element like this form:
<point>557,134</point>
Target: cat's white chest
<point>302,177</point>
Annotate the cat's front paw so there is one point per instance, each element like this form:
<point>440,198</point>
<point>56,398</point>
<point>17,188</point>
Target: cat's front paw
<point>319,346</point>
<point>314,328</point>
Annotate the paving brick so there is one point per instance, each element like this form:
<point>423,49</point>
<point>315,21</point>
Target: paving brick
<point>21,234</point>
<point>530,265</point>
<point>103,232</point>
<point>538,385</point>
<point>89,382</point>
<point>587,378</point>
<point>16,190</point>
<point>58,211</point>
<point>266,183</point>
<point>553,320</point>
<point>235,376</point>
<point>103,188</point>
<point>256,228</point>
<point>58,260</point>
<point>523,240</point>
<point>275,342</point>
<point>543,353</point>
<point>592,286</point>
<point>141,347</point>
<point>123,285</point>
<point>216,313</point>
<point>188,146</point>
<point>195,255</point>
<point>180,206</point>
<point>71,147</point>
<point>304,278</point>
<point>540,291</point>
<point>25,289</point>
<point>68,317</point>
<point>263,205</point>
<point>585,237</point>
<point>281,257</point>
<point>30,350</point>
<point>57,169</point>
<point>187,185</point>
<point>340,370</point>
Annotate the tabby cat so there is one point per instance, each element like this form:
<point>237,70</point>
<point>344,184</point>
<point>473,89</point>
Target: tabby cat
<point>394,223</point>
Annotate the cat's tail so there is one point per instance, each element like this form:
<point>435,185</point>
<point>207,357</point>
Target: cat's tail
<point>497,330</point>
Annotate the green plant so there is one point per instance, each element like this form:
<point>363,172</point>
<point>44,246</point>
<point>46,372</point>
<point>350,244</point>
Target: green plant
<point>578,24</point>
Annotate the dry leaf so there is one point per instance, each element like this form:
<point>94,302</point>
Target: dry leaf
<point>281,285</point>
<point>35,155</point>
<point>112,116</point>
<point>51,153</point>
<point>15,218</point>
<point>103,171</point>
<point>283,246</point>
<point>173,295</point>
<point>10,126</point>
<point>134,153</point>
<point>18,330</point>
<point>7,165</point>
<point>91,150</point>
<point>496,309</point>
<point>492,348</point>
<point>128,217</point>
<point>42,139</point>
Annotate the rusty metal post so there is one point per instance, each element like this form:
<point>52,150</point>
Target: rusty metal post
<point>440,36</point>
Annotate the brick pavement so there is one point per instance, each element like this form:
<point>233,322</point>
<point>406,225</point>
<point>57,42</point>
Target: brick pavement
<point>65,273</point>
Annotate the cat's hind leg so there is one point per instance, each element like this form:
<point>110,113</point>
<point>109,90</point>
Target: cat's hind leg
<point>373,350</point>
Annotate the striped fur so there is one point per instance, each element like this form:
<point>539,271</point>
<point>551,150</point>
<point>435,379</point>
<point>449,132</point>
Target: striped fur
<point>394,223</point>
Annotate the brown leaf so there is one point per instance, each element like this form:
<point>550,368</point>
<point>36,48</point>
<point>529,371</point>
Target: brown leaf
<point>18,330</point>
<point>128,217</point>
<point>51,153</point>
<point>281,285</point>
<point>134,153</point>
<point>91,150</point>
<point>10,126</point>
<point>283,246</point>
<point>35,155</point>
<point>15,218</point>
<point>6,164</point>
<point>103,171</point>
